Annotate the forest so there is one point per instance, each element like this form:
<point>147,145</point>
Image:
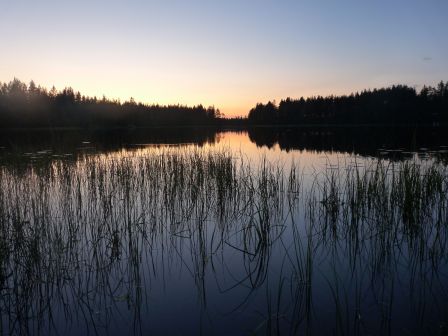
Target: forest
<point>28,106</point>
<point>395,105</point>
<point>23,105</point>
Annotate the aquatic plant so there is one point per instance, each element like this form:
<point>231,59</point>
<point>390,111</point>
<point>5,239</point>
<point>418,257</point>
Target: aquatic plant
<point>89,236</point>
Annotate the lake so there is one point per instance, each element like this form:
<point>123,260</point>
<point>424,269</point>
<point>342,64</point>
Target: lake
<point>195,231</point>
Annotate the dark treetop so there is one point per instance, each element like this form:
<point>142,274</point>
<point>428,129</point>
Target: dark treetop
<point>24,106</point>
<point>396,105</point>
<point>34,106</point>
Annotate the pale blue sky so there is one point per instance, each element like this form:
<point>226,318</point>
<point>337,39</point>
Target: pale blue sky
<point>231,54</point>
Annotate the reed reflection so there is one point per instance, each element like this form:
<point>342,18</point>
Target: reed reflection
<point>113,243</point>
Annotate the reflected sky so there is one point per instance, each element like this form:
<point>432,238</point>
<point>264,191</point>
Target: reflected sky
<point>128,240</point>
<point>230,54</point>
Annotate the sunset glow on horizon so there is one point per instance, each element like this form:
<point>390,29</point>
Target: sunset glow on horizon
<point>230,54</point>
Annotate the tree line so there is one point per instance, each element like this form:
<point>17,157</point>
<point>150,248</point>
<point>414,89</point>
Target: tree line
<point>395,105</point>
<point>23,105</point>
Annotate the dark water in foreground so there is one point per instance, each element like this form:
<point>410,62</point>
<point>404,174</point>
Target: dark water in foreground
<point>196,232</point>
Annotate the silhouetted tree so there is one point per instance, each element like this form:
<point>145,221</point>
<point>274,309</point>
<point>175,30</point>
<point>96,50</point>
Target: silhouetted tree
<point>398,104</point>
<point>33,106</point>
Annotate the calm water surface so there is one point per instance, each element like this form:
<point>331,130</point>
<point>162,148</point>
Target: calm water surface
<point>231,233</point>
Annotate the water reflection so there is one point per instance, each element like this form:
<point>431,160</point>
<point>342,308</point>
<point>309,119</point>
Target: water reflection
<point>69,141</point>
<point>220,238</point>
<point>391,143</point>
<point>397,142</point>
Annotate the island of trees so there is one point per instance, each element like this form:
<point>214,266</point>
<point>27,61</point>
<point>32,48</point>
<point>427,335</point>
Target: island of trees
<point>29,105</point>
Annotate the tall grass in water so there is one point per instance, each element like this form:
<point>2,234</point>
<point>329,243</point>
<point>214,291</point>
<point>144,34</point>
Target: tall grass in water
<point>91,235</point>
<point>389,224</point>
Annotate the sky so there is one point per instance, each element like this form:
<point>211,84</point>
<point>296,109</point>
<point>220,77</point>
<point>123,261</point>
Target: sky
<point>229,54</point>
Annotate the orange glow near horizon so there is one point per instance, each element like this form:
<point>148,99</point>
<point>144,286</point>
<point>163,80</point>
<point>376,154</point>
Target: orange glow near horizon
<point>228,55</point>
<point>231,102</point>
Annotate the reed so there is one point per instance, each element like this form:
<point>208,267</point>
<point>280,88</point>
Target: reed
<point>95,233</point>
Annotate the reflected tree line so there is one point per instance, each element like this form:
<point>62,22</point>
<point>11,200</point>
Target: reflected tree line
<point>393,142</point>
<point>365,141</point>
<point>62,141</point>
<point>398,104</point>
<point>23,105</point>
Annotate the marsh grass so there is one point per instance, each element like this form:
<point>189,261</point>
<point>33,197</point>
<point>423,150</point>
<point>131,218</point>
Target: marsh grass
<point>93,235</point>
